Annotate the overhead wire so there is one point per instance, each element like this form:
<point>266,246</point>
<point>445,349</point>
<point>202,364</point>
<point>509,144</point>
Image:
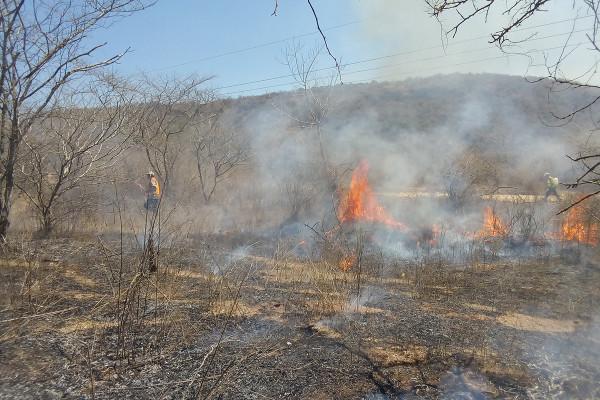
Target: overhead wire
<point>343,25</point>
<point>386,66</point>
<point>254,47</point>
<point>413,51</point>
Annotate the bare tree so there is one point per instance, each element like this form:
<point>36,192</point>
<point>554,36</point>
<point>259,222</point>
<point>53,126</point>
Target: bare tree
<point>507,35</point>
<point>218,151</point>
<point>298,195</point>
<point>316,98</point>
<point>44,47</point>
<point>171,107</point>
<point>72,148</point>
<point>466,172</point>
<point>321,33</point>
<point>308,115</point>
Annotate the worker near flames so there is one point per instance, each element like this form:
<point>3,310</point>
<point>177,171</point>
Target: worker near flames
<point>551,186</point>
<point>152,192</point>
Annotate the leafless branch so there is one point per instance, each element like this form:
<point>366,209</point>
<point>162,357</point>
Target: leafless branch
<point>584,198</point>
<point>337,64</point>
<point>518,12</point>
<point>45,46</point>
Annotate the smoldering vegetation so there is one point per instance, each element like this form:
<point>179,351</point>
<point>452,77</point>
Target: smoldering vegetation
<point>377,241</point>
<point>287,153</point>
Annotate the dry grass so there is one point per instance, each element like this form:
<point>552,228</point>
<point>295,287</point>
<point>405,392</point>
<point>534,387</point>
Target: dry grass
<point>537,324</point>
<point>261,324</point>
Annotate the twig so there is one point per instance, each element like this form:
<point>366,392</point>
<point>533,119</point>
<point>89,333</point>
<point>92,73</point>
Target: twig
<point>337,64</point>
<point>199,369</point>
<point>578,201</point>
<point>222,334</point>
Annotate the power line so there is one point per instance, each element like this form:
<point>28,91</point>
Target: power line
<point>413,51</point>
<point>413,61</point>
<point>258,46</point>
<point>476,61</point>
<point>385,57</point>
<point>343,25</point>
<point>397,64</point>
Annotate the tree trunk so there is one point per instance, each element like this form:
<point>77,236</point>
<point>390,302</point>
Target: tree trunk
<point>7,183</point>
<point>47,225</point>
<point>6,187</point>
<point>4,222</point>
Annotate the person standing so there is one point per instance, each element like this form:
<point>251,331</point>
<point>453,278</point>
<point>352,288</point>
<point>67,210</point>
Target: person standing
<point>152,192</point>
<point>551,186</point>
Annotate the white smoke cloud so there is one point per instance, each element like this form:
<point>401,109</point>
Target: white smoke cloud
<point>391,27</point>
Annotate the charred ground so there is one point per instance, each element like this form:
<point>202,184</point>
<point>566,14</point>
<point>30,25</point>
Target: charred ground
<point>260,322</point>
<point>429,282</point>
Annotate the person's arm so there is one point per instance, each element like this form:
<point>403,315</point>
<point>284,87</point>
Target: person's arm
<point>142,188</point>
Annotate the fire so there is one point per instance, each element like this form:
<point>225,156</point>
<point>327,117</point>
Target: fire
<point>436,231</point>
<point>360,204</point>
<point>429,236</point>
<point>574,228</point>
<point>492,225</point>
<point>347,262</point>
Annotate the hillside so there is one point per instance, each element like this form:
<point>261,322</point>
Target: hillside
<point>268,290</point>
<point>463,132</point>
<point>489,130</point>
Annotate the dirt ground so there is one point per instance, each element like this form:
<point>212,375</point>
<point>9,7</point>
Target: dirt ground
<point>80,319</point>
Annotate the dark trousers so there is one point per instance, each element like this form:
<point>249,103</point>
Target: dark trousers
<point>551,192</point>
<point>151,203</point>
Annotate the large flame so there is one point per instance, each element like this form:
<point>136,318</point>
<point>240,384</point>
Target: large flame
<point>575,228</point>
<point>360,204</point>
<point>493,226</point>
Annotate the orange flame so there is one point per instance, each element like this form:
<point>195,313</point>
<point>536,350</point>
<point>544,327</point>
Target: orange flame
<point>573,228</point>
<point>360,204</point>
<point>436,231</point>
<point>430,236</point>
<point>492,225</point>
<point>346,263</point>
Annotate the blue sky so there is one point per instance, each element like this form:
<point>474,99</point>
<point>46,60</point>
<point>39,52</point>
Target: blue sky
<point>183,37</point>
<point>188,36</point>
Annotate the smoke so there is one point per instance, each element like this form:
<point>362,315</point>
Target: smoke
<point>467,134</point>
<point>425,47</point>
<point>368,295</point>
<point>466,384</point>
<point>566,365</point>
<point>464,133</point>
<point>223,264</point>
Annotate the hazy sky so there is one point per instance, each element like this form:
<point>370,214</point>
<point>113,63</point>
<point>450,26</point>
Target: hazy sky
<point>185,37</point>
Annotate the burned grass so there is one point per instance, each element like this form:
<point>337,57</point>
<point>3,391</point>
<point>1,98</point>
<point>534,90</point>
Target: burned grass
<point>223,325</point>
